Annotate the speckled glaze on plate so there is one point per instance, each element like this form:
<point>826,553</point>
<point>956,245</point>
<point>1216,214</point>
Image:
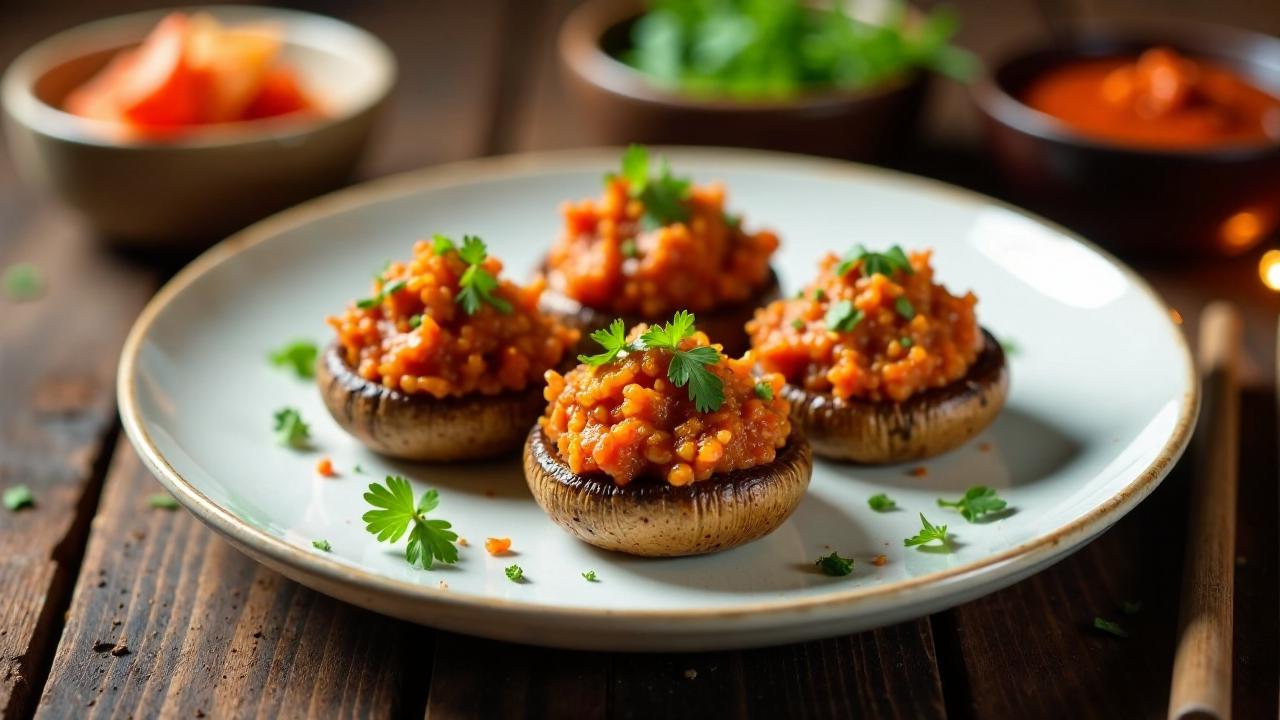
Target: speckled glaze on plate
<point>1103,400</point>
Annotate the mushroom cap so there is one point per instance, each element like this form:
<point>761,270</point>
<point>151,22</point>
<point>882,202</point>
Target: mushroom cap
<point>653,518</point>
<point>723,325</point>
<point>422,427</point>
<point>923,425</point>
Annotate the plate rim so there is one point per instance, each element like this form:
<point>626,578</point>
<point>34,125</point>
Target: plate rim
<point>1050,546</point>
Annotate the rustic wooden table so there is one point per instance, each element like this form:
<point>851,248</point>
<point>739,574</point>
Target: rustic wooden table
<point>210,633</point>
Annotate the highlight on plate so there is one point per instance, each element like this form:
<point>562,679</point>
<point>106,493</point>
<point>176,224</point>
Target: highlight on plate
<point>192,71</point>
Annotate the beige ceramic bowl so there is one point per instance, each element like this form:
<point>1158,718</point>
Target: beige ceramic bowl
<point>217,178</point>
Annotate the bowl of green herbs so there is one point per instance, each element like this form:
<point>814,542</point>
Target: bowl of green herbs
<point>823,78</point>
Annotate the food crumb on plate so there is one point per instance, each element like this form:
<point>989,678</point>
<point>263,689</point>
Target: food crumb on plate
<point>984,447</point>
<point>325,467</point>
<point>497,546</point>
<point>879,560</point>
<point>690,674</point>
<point>918,471</point>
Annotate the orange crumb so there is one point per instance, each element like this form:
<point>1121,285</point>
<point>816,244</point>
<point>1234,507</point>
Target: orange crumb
<point>497,546</point>
<point>462,542</point>
<point>919,471</point>
<point>984,447</point>
<point>444,585</point>
<point>325,467</point>
<point>879,560</point>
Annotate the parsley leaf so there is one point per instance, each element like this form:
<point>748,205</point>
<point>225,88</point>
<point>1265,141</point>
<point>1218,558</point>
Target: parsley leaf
<point>18,497</point>
<point>835,565</point>
<point>764,391</point>
<point>928,533</point>
<point>441,244</point>
<point>515,573</point>
<point>291,431</point>
<point>300,356</point>
<point>1010,346</point>
<point>1110,627</point>
<point>663,196</point>
<point>688,367</point>
<point>905,342</point>
<point>977,501</point>
<point>22,282</point>
<point>629,249</point>
<point>881,503</point>
<point>322,545</point>
<point>797,324</point>
<point>477,284</point>
<point>415,321</point>
<point>874,263</point>
<point>387,291</point>
<point>590,576</point>
<point>842,317</point>
<point>393,514</point>
<point>162,501</point>
<point>613,339</point>
<point>904,307</point>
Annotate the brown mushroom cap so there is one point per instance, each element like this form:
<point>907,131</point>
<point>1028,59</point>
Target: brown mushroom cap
<point>422,427</point>
<point>656,519</point>
<point>722,325</point>
<point>921,426</point>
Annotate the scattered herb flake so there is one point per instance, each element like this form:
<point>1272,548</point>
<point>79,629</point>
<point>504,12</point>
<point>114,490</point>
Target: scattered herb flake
<point>764,391</point>
<point>1010,346</point>
<point>797,324</point>
<point>820,295</point>
<point>162,501</point>
<point>415,321</point>
<point>358,469</point>
<point>904,307</point>
<point>881,503</point>
<point>835,565</point>
<point>1110,627</point>
<point>18,497</point>
<point>22,282</point>
<point>629,249</point>
<point>905,342</point>
<point>590,576</point>
<point>515,573</point>
<point>976,502</point>
<point>874,263</point>
<point>928,533</point>
<point>842,317</point>
<point>322,545</point>
<point>290,430</point>
<point>393,514</point>
<point>299,356</point>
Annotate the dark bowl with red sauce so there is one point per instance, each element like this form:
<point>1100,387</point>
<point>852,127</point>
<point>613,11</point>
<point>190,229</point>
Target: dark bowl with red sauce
<point>1137,199</point>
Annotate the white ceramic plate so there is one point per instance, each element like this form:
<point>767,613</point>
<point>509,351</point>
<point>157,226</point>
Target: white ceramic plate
<point>1103,400</point>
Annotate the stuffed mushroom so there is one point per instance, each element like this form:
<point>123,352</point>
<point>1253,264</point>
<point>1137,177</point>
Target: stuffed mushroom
<point>882,364</point>
<point>445,360</point>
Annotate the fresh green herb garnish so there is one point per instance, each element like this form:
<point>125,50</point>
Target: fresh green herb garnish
<point>629,249</point>
<point>322,545</point>
<point>387,291</point>
<point>478,285</point>
<point>18,497</point>
<point>1107,626</point>
<point>688,367</point>
<point>291,431</point>
<point>750,49</point>
<point>764,391</point>
<point>874,263</point>
<point>835,565</point>
<point>515,573</point>
<point>415,322</point>
<point>299,356</point>
<point>842,317</point>
<point>662,196</point>
<point>394,512</point>
<point>162,501</point>
<point>820,295</point>
<point>881,503</point>
<point>1131,607</point>
<point>905,342</point>
<point>904,307</point>
<point>732,221</point>
<point>22,282</point>
<point>613,339</point>
<point>928,533</point>
<point>977,501</point>
<point>1010,347</point>
<point>797,324</point>
<point>441,244</point>
<point>590,576</point>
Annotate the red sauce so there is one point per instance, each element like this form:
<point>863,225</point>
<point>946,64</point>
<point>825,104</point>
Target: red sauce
<point>1160,99</point>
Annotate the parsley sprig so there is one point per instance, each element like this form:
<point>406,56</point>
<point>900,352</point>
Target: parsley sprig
<point>873,263</point>
<point>688,368</point>
<point>290,429</point>
<point>387,291</point>
<point>299,356</point>
<point>477,284</point>
<point>881,503</point>
<point>662,195</point>
<point>928,533</point>
<point>842,316</point>
<point>976,502</point>
<point>395,512</point>
<point>835,565</point>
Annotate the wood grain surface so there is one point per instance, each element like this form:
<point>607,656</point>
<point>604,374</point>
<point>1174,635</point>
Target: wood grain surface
<point>200,630</point>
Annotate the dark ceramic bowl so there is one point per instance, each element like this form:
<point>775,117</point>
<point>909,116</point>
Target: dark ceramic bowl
<point>1221,200</point>
<point>620,105</point>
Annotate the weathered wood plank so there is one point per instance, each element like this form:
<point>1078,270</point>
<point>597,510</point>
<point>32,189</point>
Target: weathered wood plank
<point>208,630</point>
<point>57,361</point>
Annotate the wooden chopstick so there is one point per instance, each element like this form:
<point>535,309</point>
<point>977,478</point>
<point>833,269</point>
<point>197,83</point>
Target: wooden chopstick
<point>1202,664</point>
